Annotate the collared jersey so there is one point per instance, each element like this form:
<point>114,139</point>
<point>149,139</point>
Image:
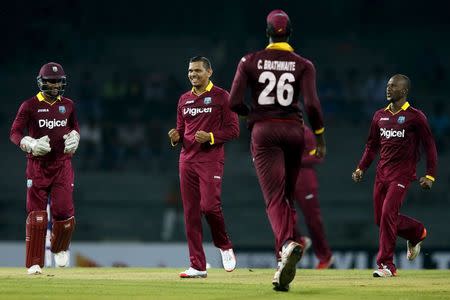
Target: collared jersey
<point>399,137</point>
<point>209,112</point>
<point>277,77</point>
<point>38,118</point>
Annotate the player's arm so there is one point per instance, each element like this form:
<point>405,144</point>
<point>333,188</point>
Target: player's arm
<point>238,88</point>
<point>72,139</point>
<point>19,125</point>
<point>429,145</point>
<point>37,147</point>
<point>176,134</point>
<point>228,131</point>
<point>370,151</point>
<point>312,106</point>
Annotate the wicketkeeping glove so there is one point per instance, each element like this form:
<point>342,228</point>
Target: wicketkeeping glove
<point>71,141</point>
<point>37,147</point>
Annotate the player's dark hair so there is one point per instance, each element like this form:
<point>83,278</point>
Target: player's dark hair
<point>407,81</point>
<point>206,62</point>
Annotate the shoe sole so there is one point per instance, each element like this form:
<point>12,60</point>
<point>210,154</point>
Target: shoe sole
<point>288,272</point>
<point>193,276</point>
<point>279,288</point>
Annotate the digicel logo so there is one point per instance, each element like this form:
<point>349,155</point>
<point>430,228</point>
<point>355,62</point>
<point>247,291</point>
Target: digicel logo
<point>193,111</point>
<point>50,124</point>
<point>388,133</point>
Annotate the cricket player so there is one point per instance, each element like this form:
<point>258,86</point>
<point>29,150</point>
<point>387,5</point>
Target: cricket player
<point>204,123</point>
<point>306,194</point>
<point>398,132</point>
<point>46,128</point>
<point>277,76</point>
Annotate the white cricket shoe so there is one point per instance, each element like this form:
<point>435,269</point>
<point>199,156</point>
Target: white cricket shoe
<point>34,270</point>
<point>61,259</point>
<point>193,273</point>
<point>276,280</point>
<point>383,272</point>
<point>228,259</point>
<point>290,256</point>
<point>413,251</point>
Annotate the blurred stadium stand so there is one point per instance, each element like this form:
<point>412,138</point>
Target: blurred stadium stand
<point>126,77</point>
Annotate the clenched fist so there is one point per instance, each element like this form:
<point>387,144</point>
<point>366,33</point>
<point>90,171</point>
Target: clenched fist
<point>425,183</point>
<point>174,136</point>
<point>357,175</point>
<point>202,137</point>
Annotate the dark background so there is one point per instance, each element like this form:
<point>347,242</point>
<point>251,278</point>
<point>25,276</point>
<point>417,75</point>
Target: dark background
<point>127,64</point>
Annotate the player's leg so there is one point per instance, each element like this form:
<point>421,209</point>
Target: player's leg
<point>271,142</point>
<point>307,197</point>
<point>269,162</point>
<point>414,232</point>
<point>388,225</point>
<point>190,195</point>
<point>36,223</point>
<point>63,212</point>
<point>292,141</point>
<point>379,195</point>
<point>210,175</point>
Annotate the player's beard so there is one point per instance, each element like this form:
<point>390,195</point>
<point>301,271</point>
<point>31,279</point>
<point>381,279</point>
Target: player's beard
<point>394,100</point>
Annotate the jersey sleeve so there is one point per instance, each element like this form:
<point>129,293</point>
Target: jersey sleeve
<point>238,88</point>
<point>73,120</point>
<point>230,124</point>
<point>19,125</point>
<point>427,141</point>
<point>310,98</point>
<point>180,120</point>
<point>372,145</point>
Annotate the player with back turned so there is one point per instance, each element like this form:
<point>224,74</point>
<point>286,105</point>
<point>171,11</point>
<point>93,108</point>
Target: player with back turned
<point>52,138</point>
<point>397,132</point>
<point>277,76</point>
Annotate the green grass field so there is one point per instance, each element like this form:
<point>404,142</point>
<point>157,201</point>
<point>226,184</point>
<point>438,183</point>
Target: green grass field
<point>140,283</point>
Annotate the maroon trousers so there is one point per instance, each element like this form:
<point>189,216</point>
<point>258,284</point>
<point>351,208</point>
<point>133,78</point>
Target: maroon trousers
<point>54,179</point>
<point>307,198</point>
<point>201,185</point>
<point>388,198</point>
<point>276,147</point>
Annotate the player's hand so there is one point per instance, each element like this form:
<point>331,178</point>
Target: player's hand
<point>357,175</point>
<point>27,143</point>
<point>41,147</point>
<point>202,136</point>
<point>71,141</point>
<point>425,183</point>
<point>174,136</point>
<point>321,148</point>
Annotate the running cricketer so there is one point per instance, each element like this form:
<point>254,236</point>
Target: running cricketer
<point>277,76</point>
<point>51,138</point>
<point>398,132</point>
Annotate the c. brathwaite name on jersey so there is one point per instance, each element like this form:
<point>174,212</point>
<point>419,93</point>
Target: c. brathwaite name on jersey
<point>276,65</point>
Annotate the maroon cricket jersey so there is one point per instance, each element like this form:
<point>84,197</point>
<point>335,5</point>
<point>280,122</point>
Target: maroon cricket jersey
<point>209,112</point>
<point>399,138</point>
<point>276,76</point>
<point>41,118</point>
